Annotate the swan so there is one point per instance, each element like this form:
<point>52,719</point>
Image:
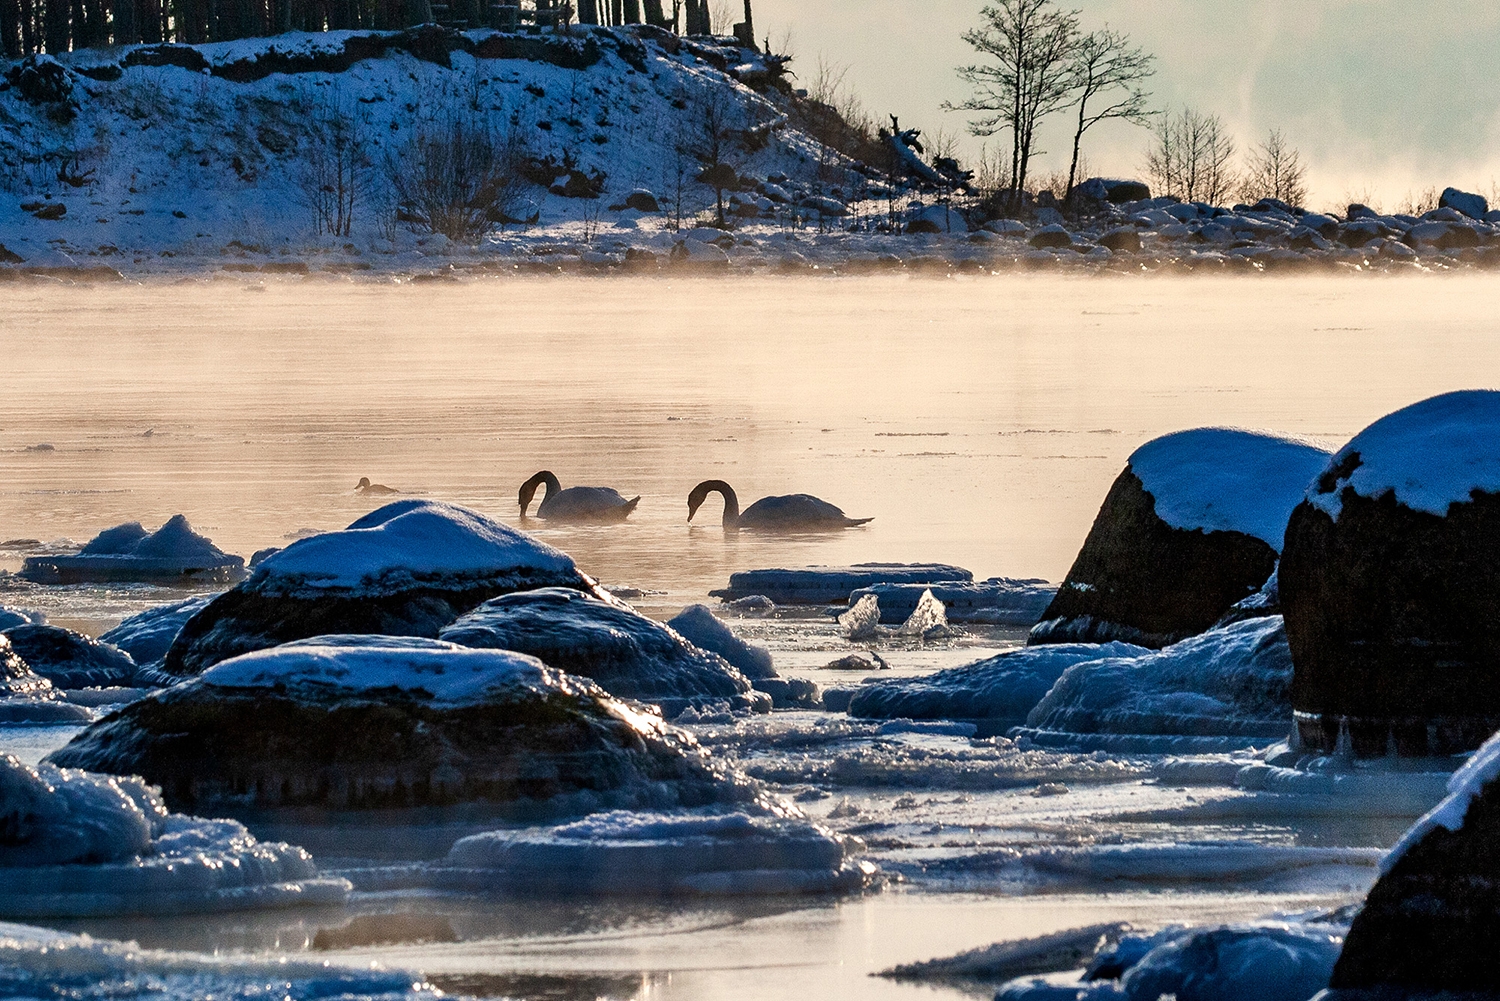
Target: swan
<point>364,486</point>
<point>791,513</point>
<point>575,503</point>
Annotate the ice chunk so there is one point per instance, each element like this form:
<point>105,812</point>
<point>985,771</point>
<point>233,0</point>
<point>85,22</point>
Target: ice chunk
<point>172,553</point>
<point>630,655</point>
<point>1261,962</point>
<point>699,625</point>
<point>1001,690</point>
<point>1231,681</point>
<point>998,601</point>
<point>71,660</point>
<point>1201,862</point>
<point>821,585</point>
<point>861,621</point>
<point>147,635</point>
<point>1063,950</point>
<point>652,853</point>
<point>927,618</point>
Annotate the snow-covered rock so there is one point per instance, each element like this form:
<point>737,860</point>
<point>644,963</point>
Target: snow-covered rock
<point>999,600</point>
<point>1123,239</point>
<point>1051,237</point>
<point>148,635</point>
<point>407,569</point>
<point>702,628</point>
<point>12,617</point>
<point>72,660</point>
<point>631,854</point>
<point>27,697</point>
<point>1113,190</point>
<point>1471,205</point>
<point>1442,236</point>
<point>628,654</point>
<point>1191,526</point>
<point>1387,584</point>
<point>832,585</point>
<point>1233,681</point>
<point>84,845</point>
<point>994,694</point>
<point>173,553</point>
<point>374,722</point>
<point>1431,923</point>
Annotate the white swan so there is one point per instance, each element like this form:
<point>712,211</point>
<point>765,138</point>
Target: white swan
<point>575,503</point>
<point>790,513</point>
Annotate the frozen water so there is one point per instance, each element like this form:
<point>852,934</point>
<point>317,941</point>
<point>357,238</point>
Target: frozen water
<point>1002,689</point>
<point>79,844</point>
<point>72,660</point>
<point>1431,454</point>
<point>926,619</point>
<point>699,626</point>
<point>147,635</point>
<point>28,698</point>
<point>129,553</point>
<point>999,600</point>
<point>833,585</point>
<point>1063,950</point>
<point>1230,681</point>
<point>12,617</point>
<point>407,543</point>
<point>1227,862</point>
<point>1482,768</point>
<point>444,673</point>
<point>862,621</point>
<point>1226,479</point>
<point>634,853</point>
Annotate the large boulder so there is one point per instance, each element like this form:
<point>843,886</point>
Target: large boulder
<point>72,660</point>
<point>27,697</point>
<point>1193,525</point>
<point>148,635</point>
<point>1431,923</point>
<point>1471,205</point>
<point>172,554</point>
<point>628,654</point>
<point>407,569</point>
<point>372,722</point>
<point>1390,584</point>
<point>1113,190</point>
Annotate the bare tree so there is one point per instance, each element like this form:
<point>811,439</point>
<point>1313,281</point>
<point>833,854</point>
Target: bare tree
<point>1190,157</point>
<point>1107,69</point>
<point>1031,44</point>
<point>457,177</point>
<point>335,166</point>
<point>1276,171</point>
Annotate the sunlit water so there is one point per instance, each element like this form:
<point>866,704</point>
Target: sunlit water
<point>979,422</point>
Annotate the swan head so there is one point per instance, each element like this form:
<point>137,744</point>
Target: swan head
<point>529,488</point>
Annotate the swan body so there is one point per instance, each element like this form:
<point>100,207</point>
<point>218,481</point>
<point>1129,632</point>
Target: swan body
<point>575,503</point>
<point>364,486</point>
<point>787,513</point>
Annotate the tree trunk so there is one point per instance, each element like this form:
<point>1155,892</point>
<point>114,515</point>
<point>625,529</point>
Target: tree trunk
<point>632,12</point>
<point>58,26</point>
<point>588,11</point>
<point>655,15</point>
<point>127,30</point>
<point>10,28</point>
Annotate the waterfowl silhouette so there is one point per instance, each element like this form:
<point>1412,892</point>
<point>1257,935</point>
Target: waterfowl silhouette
<point>789,513</point>
<point>364,486</point>
<point>575,503</point>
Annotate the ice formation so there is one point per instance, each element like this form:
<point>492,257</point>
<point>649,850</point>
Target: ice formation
<point>1233,681</point>
<point>407,569</point>
<point>370,722</point>
<point>148,635</point>
<point>12,617</point>
<point>72,660</point>
<point>1000,691</point>
<point>997,601</point>
<point>1482,768</point>
<point>653,853</point>
<point>926,619</point>
<point>27,697</point>
<point>628,654</point>
<point>833,585</point>
<point>701,627</point>
<point>862,620</point>
<point>77,844</point>
<point>128,552</point>
<point>1062,950</point>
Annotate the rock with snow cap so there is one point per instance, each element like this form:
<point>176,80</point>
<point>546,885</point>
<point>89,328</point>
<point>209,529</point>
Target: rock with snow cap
<point>173,553</point>
<point>628,654</point>
<point>27,697</point>
<point>148,635</point>
<point>72,660</point>
<point>1471,205</point>
<point>1124,238</point>
<point>1389,587</point>
<point>407,569</point>
<point>1113,190</point>
<point>380,722</point>
<point>1051,237</point>
<point>1442,235</point>
<point>1192,526</point>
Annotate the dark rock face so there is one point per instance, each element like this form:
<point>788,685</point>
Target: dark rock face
<point>630,655</point>
<point>1431,923</point>
<point>71,660</point>
<point>1393,616</point>
<point>1140,580</point>
<point>280,744</point>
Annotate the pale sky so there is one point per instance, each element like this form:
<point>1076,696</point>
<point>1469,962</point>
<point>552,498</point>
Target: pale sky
<point>1382,97</point>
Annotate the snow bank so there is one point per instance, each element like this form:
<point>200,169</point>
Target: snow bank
<point>630,655</point>
<point>1482,768</point>
<point>406,542</point>
<point>1233,681</point>
<point>129,553</point>
<point>699,626</point>
<point>445,674</point>
<point>37,962</point>
<point>84,845</point>
<point>148,635</point>
<point>998,601</point>
<point>1000,691</point>
<point>654,853</point>
<point>1430,455</point>
<point>822,585</point>
<point>1227,479</point>
<point>72,660</point>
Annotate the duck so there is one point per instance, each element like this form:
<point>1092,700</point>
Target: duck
<point>789,513</point>
<point>364,486</point>
<point>602,504</point>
